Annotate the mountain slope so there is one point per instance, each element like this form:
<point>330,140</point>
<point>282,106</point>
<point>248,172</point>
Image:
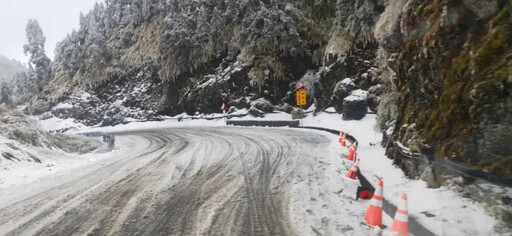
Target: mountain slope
<point>168,57</point>
<point>8,68</point>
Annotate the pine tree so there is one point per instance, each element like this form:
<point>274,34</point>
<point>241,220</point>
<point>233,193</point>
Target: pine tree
<point>5,95</point>
<point>41,70</point>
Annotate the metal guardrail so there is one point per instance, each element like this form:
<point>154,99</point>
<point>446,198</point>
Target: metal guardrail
<point>264,123</point>
<point>452,166</point>
<point>92,134</point>
<point>106,138</point>
<point>205,117</point>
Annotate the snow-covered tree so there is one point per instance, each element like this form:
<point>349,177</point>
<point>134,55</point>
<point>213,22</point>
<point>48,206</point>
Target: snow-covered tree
<point>22,87</point>
<point>41,71</point>
<point>5,94</point>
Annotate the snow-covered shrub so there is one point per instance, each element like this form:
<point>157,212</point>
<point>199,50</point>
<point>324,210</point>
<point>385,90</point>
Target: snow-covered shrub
<point>15,126</point>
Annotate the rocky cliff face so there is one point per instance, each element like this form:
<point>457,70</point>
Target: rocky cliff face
<point>442,69</point>
<point>453,83</point>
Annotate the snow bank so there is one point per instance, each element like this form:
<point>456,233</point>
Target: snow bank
<point>24,169</point>
<point>28,152</point>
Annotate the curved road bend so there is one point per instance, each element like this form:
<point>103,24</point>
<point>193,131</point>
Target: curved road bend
<point>184,181</point>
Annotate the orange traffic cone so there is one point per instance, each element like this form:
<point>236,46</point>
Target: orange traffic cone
<point>374,213</point>
<point>351,152</point>
<point>401,222</point>
<point>352,173</point>
<point>341,139</point>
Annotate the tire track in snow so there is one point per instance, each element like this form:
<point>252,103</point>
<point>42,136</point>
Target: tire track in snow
<point>188,181</point>
<point>58,201</point>
<point>23,211</point>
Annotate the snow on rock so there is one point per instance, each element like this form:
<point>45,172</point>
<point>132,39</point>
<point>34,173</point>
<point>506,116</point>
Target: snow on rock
<point>354,106</point>
<point>85,96</point>
<point>373,98</point>
<point>347,82</point>
<point>357,95</point>
<point>255,112</point>
<point>341,91</point>
<point>263,105</point>
<point>62,106</point>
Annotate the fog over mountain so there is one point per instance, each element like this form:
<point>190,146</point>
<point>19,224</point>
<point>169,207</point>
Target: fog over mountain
<point>9,67</point>
<point>57,18</point>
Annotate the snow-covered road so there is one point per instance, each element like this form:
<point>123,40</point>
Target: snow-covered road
<point>194,181</point>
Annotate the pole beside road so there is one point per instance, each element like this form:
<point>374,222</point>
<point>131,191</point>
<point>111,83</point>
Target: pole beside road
<point>300,92</point>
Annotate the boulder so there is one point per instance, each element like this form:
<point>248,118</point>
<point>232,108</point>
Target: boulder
<point>429,177</point>
<point>371,77</point>
<point>240,103</point>
<point>340,92</point>
<point>285,108</point>
<point>232,109</point>
<point>253,111</point>
<point>376,89</point>
<point>354,106</point>
<point>263,105</point>
<point>373,102</point>
<point>373,98</point>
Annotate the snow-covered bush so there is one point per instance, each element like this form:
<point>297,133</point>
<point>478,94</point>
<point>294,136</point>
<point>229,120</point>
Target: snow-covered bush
<point>15,126</point>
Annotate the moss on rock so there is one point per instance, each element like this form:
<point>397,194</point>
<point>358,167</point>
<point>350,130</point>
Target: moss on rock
<point>453,84</point>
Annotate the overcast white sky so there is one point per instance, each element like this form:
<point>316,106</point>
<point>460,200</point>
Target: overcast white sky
<point>57,18</point>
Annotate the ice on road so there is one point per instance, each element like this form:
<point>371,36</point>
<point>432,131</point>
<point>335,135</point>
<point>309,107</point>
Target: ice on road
<point>195,181</point>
